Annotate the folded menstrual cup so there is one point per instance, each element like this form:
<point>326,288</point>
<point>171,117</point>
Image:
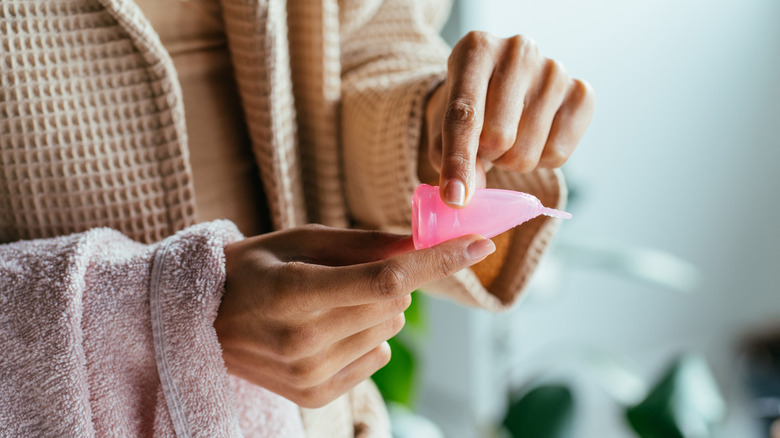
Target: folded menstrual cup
<point>490,213</point>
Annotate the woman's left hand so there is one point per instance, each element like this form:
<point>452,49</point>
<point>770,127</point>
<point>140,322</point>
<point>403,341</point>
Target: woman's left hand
<point>504,103</point>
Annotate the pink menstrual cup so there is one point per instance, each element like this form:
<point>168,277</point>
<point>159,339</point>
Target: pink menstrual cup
<point>491,212</point>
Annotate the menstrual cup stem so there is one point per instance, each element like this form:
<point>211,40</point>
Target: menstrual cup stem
<point>555,213</point>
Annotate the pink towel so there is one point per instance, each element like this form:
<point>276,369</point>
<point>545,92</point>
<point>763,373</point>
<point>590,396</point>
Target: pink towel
<point>103,336</point>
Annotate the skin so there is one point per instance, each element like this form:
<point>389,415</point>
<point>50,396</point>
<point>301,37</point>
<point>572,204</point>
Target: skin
<point>330,300</point>
<point>307,311</point>
<point>502,104</point>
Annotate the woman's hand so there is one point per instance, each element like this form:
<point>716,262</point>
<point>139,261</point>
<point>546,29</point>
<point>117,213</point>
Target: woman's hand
<point>307,312</point>
<point>504,103</point>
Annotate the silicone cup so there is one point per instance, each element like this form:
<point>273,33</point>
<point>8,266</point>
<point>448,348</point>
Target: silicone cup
<point>490,213</point>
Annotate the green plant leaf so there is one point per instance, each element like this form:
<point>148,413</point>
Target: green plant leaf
<point>396,380</point>
<point>685,403</point>
<point>543,412</point>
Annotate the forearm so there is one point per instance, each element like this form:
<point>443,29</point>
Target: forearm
<point>392,60</point>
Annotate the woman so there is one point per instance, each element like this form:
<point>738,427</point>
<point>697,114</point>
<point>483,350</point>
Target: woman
<point>339,109</point>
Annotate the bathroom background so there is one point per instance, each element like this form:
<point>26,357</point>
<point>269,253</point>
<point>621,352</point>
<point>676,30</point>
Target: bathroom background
<point>675,243</point>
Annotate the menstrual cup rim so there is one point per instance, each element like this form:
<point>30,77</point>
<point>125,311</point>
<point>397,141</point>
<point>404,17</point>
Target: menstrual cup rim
<point>416,219</point>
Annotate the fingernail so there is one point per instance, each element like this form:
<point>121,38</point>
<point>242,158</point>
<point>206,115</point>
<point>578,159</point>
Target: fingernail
<point>455,193</point>
<point>480,249</point>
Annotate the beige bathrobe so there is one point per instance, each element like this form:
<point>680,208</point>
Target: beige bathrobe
<point>92,129</point>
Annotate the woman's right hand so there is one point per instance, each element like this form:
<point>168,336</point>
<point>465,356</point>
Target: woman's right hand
<point>307,311</point>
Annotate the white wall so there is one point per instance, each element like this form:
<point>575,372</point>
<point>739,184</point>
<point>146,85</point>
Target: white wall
<point>683,156</point>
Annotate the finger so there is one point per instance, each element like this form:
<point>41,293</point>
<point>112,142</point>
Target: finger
<point>320,395</point>
<point>482,166</point>
<point>570,123</point>
<point>397,276</point>
<point>468,74</point>
<point>268,374</point>
<point>321,367</point>
<point>536,121</point>
<point>343,322</point>
<point>328,246</point>
<point>505,97</point>
<point>304,339</point>
<point>344,380</point>
<point>335,325</point>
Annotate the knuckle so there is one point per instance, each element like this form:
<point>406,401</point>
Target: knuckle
<point>390,278</point>
<point>457,165</point>
<point>516,43</point>
<point>407,301</point>
<point>556,76</point>
<point>582,93</point>
<point>456,159</point>
<point>284,345</point>
<point>295,342</point>
<point>522,47</point>
<point>477,39</point>
<point>447,262</point>
<point>533,48</point>
<point>524,164</point>
<point>401,303</point>
<point>497,139</point>
<point>397,324</point>
<point>472,43</point>
<point>555,68</point>
<point>461,112</point>
<point>517,161</point>
<point>305,373</point>
<point>555,157</point>
<point>292,272</point>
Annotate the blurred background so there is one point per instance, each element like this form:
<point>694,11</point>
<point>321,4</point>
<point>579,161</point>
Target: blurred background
<point>674,249</point>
